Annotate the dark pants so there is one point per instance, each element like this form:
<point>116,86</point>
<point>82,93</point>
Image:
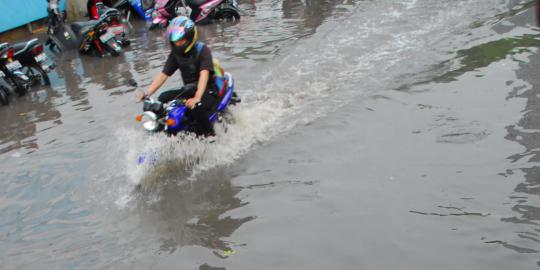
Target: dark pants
<point>202,111</point>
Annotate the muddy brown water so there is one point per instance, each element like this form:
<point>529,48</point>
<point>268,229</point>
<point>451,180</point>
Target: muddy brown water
<point>372,135</point>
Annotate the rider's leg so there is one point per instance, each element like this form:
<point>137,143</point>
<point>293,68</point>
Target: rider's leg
<point>201,114</point>
<point>185,92</point>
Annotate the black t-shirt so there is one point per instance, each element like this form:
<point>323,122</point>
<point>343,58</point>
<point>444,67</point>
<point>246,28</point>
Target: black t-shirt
<point>205,58</point>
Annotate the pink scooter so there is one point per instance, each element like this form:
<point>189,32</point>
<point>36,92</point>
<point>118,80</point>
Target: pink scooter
<point>200,11</point>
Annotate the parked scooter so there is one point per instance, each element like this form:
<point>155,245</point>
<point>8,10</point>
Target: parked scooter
<point>163,12</point>
<point>116,23</point>
<point>139,6</point>
<point>200,11</point>
<point>33,60</point>
<point>98,36</point>
<point>60,36</point>
<point>11,70</point>
<point>204,11</point>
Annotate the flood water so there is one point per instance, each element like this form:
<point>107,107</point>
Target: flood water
<point>372,135</point>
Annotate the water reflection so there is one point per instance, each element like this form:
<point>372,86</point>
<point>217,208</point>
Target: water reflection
<point>527,133</point>
<point>107,72</point>
<point>273,25</point>
<point>313,13</point>
<point>69,72</point>
<point>21,118</point>
<point>194,213</point>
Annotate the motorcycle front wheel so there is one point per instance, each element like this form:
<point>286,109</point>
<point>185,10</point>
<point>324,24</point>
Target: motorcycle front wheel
<point>3,96</point>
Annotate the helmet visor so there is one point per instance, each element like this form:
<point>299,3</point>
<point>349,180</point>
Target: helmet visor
<point>176,33</point>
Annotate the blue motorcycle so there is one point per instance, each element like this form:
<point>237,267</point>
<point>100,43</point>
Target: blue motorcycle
<point>172,117</point>
<point>142,7</point>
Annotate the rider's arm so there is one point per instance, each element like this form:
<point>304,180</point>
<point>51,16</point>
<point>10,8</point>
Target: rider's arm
<point>202,83</point>
<point>159,80</point>
<point>201,87</point>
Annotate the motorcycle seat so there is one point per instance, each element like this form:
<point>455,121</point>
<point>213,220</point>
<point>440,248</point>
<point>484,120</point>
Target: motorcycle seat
<point>82,27</point>
<point>23,47</point>
<point>109,12</point>
<point>196,3</point>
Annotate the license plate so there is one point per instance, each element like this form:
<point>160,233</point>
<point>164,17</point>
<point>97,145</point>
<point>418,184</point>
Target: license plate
<point>41,58</point>
<point>106,37</point>
<point>117,30</point>
<point>13,65</point>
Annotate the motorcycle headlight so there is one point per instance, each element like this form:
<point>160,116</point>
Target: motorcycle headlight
<point>149,120</point>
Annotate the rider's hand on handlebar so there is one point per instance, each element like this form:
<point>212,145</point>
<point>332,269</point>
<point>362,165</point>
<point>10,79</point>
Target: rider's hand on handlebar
<point>140,96</point>
<point>192,102</point>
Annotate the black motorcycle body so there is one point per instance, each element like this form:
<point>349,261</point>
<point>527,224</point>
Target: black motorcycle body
<point>34,61</point>
<point>60,36</point>
<point>96,36</point>
<point>12,70</point>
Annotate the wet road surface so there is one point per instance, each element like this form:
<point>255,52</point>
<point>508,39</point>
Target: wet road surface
<point>373,135</point>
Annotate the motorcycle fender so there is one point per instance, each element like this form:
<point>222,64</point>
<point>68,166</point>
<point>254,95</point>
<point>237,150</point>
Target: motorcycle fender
<point>177,114</point>
<point>21,75</point>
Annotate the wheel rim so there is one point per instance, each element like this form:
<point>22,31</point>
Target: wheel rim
<point>36,75</point>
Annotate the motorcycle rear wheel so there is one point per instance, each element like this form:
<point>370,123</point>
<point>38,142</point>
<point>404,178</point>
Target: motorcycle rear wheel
<point>227,14</point>
<point>37,73</point>
<point>21,87</point>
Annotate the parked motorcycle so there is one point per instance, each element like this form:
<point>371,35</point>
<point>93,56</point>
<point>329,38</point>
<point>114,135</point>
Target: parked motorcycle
<point>11,70</point>
<point>139,6</point>
<point>98,36</point>
<point>163,12</point>
<point>33,60</point>
<point>200,11</point>
<point>116,23</point>
<point>60,36</point>
<point>206,10</point>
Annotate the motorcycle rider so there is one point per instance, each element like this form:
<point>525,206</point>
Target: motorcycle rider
<point>194,59</point>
